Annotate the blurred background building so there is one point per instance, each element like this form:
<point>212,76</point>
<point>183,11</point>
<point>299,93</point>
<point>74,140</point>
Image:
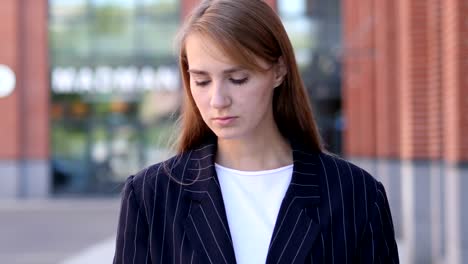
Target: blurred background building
<point>89,92</point>
<point>405,94</point>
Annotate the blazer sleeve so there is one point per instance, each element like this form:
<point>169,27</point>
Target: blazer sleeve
<point>132,231</point>
<point>378,244</point>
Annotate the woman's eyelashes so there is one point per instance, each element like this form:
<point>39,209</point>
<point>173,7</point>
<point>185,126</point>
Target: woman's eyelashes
<point>239,81</point>
<point>232,80</point>
<point>202,83</point>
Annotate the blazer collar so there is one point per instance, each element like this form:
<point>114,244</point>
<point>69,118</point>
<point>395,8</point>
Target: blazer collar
<point>297,224</point>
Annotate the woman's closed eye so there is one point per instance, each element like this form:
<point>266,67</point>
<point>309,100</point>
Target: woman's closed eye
<point>232,80</point>
<point>239,81</point>
<point>202,83</point>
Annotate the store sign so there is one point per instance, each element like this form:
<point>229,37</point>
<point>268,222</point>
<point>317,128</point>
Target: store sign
<point>105,79</point>
<point>7,80</point>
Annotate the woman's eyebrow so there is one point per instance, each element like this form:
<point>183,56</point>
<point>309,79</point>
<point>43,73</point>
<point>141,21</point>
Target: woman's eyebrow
<point>233,70</point>
<point>227,71</point>
<point>197,72</point>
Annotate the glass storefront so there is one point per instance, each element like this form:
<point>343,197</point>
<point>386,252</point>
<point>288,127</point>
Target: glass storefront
<point>114,89</point>
<point>314,27</point>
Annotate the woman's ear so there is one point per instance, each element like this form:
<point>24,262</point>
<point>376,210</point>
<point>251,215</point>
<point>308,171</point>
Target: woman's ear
<point>280,72</point>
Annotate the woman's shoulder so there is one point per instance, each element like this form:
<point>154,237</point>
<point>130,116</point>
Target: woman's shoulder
<point>174,171</point>
<point>349,177</point>
<point>342,165</point>
<point>156,174</point>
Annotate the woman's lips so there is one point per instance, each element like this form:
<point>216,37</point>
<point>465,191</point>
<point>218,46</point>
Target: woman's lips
<point>224,121</point>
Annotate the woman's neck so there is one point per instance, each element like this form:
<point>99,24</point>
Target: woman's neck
<point>261,152</point>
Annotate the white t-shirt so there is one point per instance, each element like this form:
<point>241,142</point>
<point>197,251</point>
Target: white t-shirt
<point>252,200</point>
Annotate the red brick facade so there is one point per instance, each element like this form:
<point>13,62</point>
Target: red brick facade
<point>8,56</point>
<point>414,79</point>
<point>434,86</point>
<point>405,79</point>
<point>386,79</point>
<point>455,78</point>
<point>359,78</point>
<point>25,127</point>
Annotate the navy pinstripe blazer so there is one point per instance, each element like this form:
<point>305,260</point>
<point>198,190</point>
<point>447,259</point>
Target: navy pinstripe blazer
<point>333,212</point>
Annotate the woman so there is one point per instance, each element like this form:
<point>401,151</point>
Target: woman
<point>251,182</point>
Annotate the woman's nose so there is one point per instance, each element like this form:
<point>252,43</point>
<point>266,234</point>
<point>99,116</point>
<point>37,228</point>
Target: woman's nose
<point>219,96</point>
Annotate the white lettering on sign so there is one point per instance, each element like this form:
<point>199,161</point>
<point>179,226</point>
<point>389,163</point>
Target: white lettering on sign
<point>7,80</point>
<point>62,80</point>
<point>104,79</point>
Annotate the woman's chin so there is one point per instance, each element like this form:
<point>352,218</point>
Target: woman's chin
<point>227,134</point>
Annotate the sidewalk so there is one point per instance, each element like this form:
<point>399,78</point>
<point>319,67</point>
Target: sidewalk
<point>102,252</point>
<point>52,231</point>
<point>77,231</point>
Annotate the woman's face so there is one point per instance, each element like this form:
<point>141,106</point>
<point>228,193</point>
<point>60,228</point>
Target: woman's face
<point>234,102</point>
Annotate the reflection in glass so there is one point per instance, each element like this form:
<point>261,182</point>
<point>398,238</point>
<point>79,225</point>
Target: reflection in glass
<point>314,29</point>
<point>114,89</point>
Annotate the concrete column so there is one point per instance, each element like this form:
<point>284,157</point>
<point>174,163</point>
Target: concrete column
<point>9,185</point>
<point>456,214</point>
<point>416,197</point>
<point>437,209</point>
<point>388,172</point>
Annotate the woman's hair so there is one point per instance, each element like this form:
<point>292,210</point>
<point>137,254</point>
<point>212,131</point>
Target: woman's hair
<point>246,30</point>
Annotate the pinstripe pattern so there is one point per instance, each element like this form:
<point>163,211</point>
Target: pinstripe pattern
<point>333,212</point>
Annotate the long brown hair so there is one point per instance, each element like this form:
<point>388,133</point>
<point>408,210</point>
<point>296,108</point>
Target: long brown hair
<point>248,29</point>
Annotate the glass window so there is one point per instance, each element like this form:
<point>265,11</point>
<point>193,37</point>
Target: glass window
<point>68,41</point>
<point>156,39</point>
<point>314,29</point>
<point>162,10</point>
<point>112,27</point>
<point>67,11</point>
<point>114,88</point>
<point>300,28</point>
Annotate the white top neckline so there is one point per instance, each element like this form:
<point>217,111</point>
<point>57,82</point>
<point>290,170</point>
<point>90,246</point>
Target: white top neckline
<point>254,173</point>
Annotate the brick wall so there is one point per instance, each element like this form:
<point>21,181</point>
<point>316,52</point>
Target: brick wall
<point>35,86</point>
<point>366,66</point>
<point>408,98</point>
<point>434,86</point>
<point>413,37</point>
<point>455,78</point>
<point>9,129</point>
<point>387,76</point>
<point>25,127</point>
<point>353,26</point>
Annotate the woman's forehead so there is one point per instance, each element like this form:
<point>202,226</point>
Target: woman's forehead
<point>206,55</point>
<point>202,50</point>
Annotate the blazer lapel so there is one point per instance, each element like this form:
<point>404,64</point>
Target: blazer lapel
<point>206,224</point>
<point>297,225</point>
